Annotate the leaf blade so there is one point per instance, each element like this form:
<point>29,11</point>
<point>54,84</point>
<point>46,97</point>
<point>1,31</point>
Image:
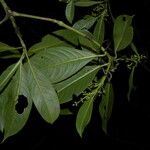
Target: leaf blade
<point>122,32</point>
<point>131,83</point>
<point>85,23</point>
<point>106,105</point>
<point>84,116</point>
<point>43,94</point>
<point>4,47</point>
<point>99,30</point>
<point>76,84</point>
<point>62,37</point>
<point>70,10</point>
<point>86,3</point>
<point>12,121</point>
<point>60,63</point>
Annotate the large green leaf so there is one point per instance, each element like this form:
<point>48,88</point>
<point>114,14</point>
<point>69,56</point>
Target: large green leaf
<point>70,10</point>
<point>84,3</point>
<point>122,32</point>
<point>11,121</point>
<point>99,30</point>
<point>85,23</point>
<point>4,47</point>
<point>43,94</point>
<point>84,116</point>
<point>131,84</point>
<point>61,37</point>
<point>106,105</point>
<point>60,63</point>
<point>76,84</point>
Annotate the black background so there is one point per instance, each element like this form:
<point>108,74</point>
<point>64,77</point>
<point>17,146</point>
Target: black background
<point>129,126</point>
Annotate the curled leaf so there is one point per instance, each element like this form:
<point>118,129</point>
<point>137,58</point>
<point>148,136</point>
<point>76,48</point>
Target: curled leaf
<point>131,84</point>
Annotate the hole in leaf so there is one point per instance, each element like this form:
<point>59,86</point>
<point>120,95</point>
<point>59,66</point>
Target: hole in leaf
<point>22,104</point>
<point>124,18</point>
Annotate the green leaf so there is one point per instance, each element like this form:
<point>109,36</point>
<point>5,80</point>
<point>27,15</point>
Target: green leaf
<point>86,43</point>
<point>70,10</point>
<point>12,121</point>
<point>84,116</point>
<point>122,32</point>
<point>60,63</point>
<point>4,47</point>
<point>65,111</point>
<point>9,55</point>
<point>99,30</point>
<point>131,85</point>
<point>7,75</point>
<point>47,42</point>
<point>76,84</point>
<point>67,36</point>
<point>85,23</point>
<point>61,37</point>
<point>84,3</point>
<point>106,105</point>
<point>43,94</point>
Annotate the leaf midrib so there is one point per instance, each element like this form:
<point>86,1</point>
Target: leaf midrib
<point>68,62</point>
<point>39,86</point>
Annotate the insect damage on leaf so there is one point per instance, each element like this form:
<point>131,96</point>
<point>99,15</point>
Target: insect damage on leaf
<point>22,103</point>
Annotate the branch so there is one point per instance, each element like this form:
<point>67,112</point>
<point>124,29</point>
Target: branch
<point>6,12</point>
<point>60,23</point>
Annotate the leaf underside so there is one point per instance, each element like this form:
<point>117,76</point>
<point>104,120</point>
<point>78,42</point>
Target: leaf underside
<point>59,63</point>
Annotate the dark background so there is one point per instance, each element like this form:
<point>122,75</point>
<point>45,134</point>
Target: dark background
<point>129,126</point>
